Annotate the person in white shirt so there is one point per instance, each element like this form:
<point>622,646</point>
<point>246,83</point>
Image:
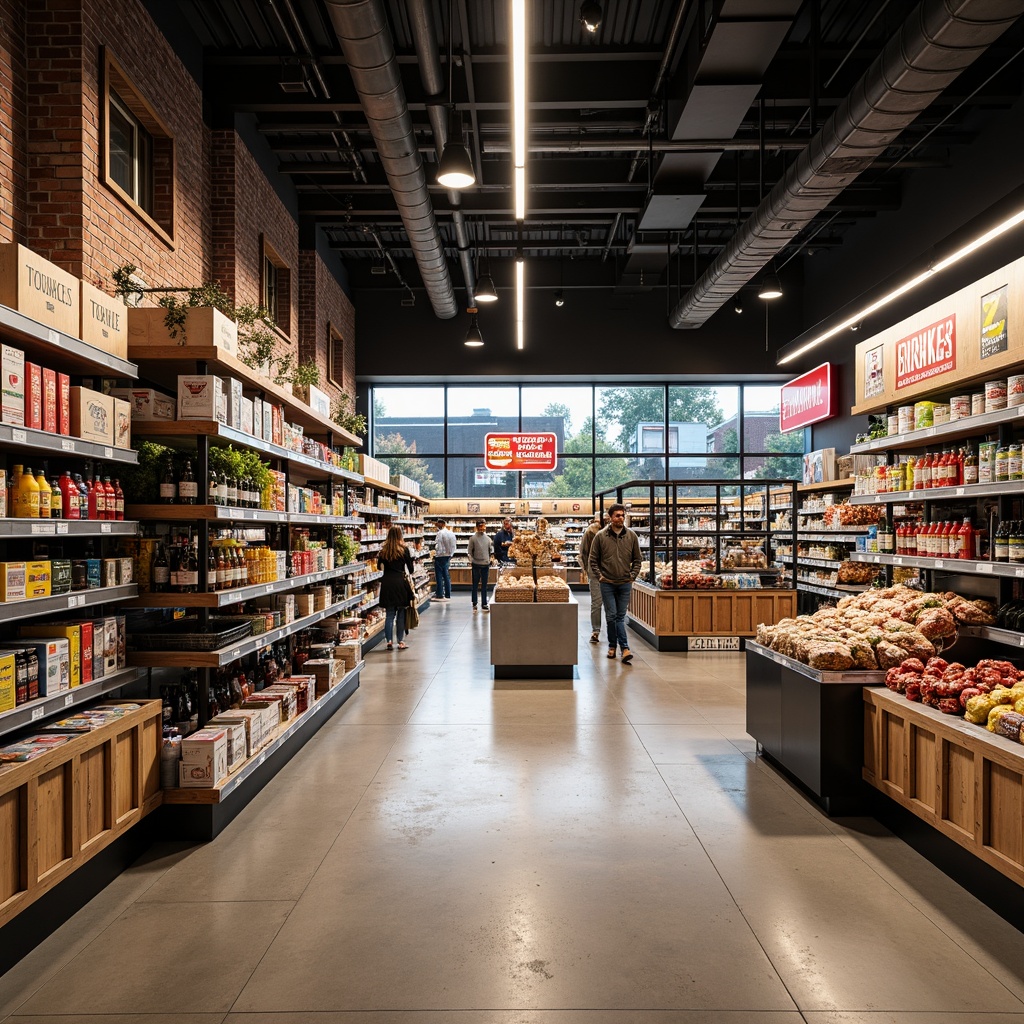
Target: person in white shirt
<point>444,548</point>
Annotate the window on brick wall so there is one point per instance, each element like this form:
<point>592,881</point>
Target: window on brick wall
<point>275,287</point>
<point>336,352</point>
<point>138,152</point>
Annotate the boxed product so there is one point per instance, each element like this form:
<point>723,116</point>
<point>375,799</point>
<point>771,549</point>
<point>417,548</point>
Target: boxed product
<point>92,416</point>
<point>233,391</point>
<point>328,672</point>
<point>305,687</point>
<point>60,576</point>
<point>54,656</point>
<point>108,572</point>
<point>63,404</point>
<point>147,403</point>
<point>122,423</point>
<point>247,407</point>
<point>33,396</point>
<point>269,713</point>
<point>38,289</point>
<point>86,628</point>
<point>820,466</point>
<point>125,571</point>
<point>70,632</point>
<point>93,573</point>
<point>257,417</point>
<point>98,671</point>
<point>276,700</point>
<point>109,645</point>
<point>316,399</point>
<point>121,623</point>
<point>303,605</point>
<point>12,366</point>
<point>236,732</point>
<point>104,321</point>
<point>250,721</point>
<point>276,424</point>
<point>206,749</point>
<point>37,579</point>
<point>268,421</point>
<point>286,695</point>
<point>49,400</point>
<point>201,397</point>
<point>285,604</point>
<point>12,581</point>
<point>203,326</point>
<point>8,687</point>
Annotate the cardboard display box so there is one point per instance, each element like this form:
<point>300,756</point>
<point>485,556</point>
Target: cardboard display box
<point>39,289</point>
<point>202,397</point>
<point>92,416</point>
<point>12,369</point>
<point>204,326</point>
<point>147,403</point>
<point>104,321</point>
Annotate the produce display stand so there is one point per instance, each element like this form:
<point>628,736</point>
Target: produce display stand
<point>808,722</point>
<point>534,640</point>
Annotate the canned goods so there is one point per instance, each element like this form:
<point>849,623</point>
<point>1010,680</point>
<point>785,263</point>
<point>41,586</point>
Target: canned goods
<point>894,425</point>
<point>995,395</point>
<point>940,414</point>
<point>924,413</point>
<point>986,462</point>
<point>1002,466</point>
<point>1015,391</point>
<point>906,418</point>
<point>959,407</point>
<point>978,403</point>
<point>1014,461</point>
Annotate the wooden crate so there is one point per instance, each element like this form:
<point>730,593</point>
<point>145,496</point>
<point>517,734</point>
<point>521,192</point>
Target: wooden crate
<point>204,326</point>
<point>957,777</point>
<point>39,289</point>
<point>104,321</point>
<point>60,809</point>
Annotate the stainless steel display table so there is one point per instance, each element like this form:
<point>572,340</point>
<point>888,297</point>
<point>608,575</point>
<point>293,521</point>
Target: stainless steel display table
<point>810,723</point>
<point>534,641</point>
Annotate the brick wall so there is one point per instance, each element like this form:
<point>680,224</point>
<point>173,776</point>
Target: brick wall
<point>323,305</point>
<point>12,121</point>
<point>71,216</point>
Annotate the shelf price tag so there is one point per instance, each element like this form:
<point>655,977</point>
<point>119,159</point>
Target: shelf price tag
<point>960,492</point>
<point>896,560</point>
<point>67,446</point>
<point>270,588</point>
<point>938,563</point>
<point>41,528</point>
<point>37,713</point>
<point>108,453</point>
<point>69,700</point>
<point>237,652</point>
<point>1019,571</point>
<point>52,337</point>
<point>62,527</point>
<point>984,567</point>
<point>19,436</point>
<point>104,527</point>
<point>75,600</point>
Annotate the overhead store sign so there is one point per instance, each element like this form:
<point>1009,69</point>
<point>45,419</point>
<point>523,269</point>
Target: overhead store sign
<point>521,452</point>
<point>926,353</point>
<point>807,399</point>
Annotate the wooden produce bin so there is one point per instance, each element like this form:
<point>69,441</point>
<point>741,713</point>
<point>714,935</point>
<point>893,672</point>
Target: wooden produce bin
<point>666,619</point>
<point>63,808</point>
<point>204,326</point>
<point>957,777</point>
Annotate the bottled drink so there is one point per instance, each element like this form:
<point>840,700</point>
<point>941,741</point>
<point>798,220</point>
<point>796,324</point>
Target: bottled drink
<point>212,583</point>
<point>222,570</point>
<point>1016,541</point>
<point>45,495</point>
<point>118,501</point>
<point>69,493</point>
<point>111,498</point>
<point>188,490</point>
<point>1001,544</point>
<point>28,495</point>
<point>192,568</point>
<point>168,487</point>
<point>222,489</point>
<point>212,492</point>
<point>97,499</point>
<point>56,499</point>
<point>232,491</point>
<point>966,539</point>
<point>161,572</point>
<point>83,498</point>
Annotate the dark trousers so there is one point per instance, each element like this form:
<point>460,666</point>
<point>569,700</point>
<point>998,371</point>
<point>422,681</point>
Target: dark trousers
<point>480,578</point>
<point>616,602</point>
<point>442,577</point>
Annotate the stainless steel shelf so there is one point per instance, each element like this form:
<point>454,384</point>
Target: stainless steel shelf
<point>39,606</point>
<point>56,445</point>
<point>67,528</point>
<point>986,490</point>
<point>967,566</point>
<point>968,426</point>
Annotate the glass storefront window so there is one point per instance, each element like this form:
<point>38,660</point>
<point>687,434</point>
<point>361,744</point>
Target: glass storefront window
<point>475,412</point>
<point>573,405</point>
<point>706,419</point>
<point>623,412</point>
<point>429,472</point>
<point>469,478</point>
<point>409,420</point>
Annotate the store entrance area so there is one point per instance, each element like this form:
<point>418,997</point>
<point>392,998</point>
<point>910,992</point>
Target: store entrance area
<point>448,850</point>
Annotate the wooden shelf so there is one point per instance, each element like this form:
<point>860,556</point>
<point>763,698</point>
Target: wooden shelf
<point>827,485</point>
<point>230,514</point>
<point>164,363</point>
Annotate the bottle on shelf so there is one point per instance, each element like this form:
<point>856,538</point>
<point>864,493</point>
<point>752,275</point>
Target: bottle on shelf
<point>118,501</point>
<point>233,491</point>
<point>967,539</point>
<point>1001,543</point>
<point>28,495</point>
<point>212,582</point>
<point>111,499</point>
<point>222,489</point>
<point>168,485</point>
<point>188,490</point>
<point>69,495</point>
<point>160,574</point>
<point>213,491</point>
<point>45,495</point>
<point>56,500</point>
<point>83,498</point>
<point>97,499</point>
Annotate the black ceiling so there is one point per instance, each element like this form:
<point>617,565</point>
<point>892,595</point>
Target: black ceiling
<point>668,125</point>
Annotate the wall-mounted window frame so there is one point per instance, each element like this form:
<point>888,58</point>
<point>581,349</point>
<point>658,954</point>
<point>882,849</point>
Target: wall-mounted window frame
<point>276,287</point>
<point>137,160</point>
<point>337,350</point>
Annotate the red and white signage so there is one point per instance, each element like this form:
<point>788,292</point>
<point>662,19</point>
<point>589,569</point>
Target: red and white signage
<point>926,353</point>
<point>807,399</point>
<point>520,452</point>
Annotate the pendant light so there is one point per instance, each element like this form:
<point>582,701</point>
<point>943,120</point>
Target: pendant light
<point>474,339</point>
<point>455,170</point>
<point>485,290</point>
<point>770,288</point>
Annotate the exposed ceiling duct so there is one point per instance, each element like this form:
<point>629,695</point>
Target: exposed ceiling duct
<point>362,30</point>
<point>933,46</point>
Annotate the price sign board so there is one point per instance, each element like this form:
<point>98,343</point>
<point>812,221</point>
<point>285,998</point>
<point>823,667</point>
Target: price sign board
<point>521,452</point>
<point>713,643</point>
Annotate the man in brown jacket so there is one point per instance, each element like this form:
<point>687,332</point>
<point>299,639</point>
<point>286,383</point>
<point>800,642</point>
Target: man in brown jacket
<point>615,561</point>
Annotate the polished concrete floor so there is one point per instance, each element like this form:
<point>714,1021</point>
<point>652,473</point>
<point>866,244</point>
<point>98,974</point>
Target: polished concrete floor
<point>448,851</point>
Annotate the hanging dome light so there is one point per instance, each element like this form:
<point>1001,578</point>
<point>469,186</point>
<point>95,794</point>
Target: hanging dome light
<point>770,287</point>
<point>484,290</point>
<point>474,339</point>
<point>455,170</point>
<point>590,15</point>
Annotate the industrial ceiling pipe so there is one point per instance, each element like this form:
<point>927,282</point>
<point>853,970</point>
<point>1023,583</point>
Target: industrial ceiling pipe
<point>362,30</point>
<point>934,45</point>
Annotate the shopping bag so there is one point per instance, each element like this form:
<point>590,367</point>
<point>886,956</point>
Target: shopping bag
<point>412,616</point>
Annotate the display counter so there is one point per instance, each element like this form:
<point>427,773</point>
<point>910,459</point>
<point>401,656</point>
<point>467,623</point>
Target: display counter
<point>668,619</point>
<point>534,640</point>
<point>809,723</point>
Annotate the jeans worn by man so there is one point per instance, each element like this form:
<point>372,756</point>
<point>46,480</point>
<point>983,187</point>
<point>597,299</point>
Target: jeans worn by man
<point>615,598</point>
<point>442,578</point>
<point>480,573</point>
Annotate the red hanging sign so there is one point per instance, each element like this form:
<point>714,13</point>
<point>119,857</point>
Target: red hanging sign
<point>807,399</point>
<point>520,452</point>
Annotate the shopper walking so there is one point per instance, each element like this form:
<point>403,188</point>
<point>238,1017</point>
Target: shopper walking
<point>596,601</point>
<point>615,561</point>
<point>444,548</point>
<point>481,554</point>
<point>503,541</point>
<point>396,589</point>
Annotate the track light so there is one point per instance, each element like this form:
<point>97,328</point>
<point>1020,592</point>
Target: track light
<point>738,305</point>
<point>858,325</point>
<point>484,290</point>
<point>474,339</point>
<point>770,287</point>
<point>559,300</point>
<point>590,15</point>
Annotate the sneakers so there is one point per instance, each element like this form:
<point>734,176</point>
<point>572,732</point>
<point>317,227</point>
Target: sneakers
<point>474,609</point>
<point>627,656</point>
<point>486,609</point>
<point>611,654</point>
<point>595,637</point>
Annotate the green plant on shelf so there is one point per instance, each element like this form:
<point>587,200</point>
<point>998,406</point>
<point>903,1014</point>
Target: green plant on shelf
<point>141,483</point>
<point>236,463</point>
<point>346,549</point>
<point>353,422</point>
<point>306,375</point>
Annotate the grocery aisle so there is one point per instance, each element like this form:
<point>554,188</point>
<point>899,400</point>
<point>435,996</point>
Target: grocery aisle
<point>447,851</point>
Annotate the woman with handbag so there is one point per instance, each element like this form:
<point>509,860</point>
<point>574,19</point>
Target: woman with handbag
<point>395,585</point>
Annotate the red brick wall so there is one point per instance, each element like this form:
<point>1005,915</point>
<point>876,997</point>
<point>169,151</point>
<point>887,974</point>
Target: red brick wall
<point>321,303</point>
<point>12,120</point>
<point>72,218</point>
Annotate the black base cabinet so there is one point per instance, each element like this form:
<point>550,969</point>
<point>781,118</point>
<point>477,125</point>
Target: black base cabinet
<point>810,724</point>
